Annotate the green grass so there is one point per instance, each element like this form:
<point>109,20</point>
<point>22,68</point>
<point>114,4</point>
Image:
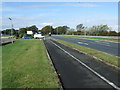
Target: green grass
<point>0,68</point>
<point>96,38</point>
<point>105,57</point>
<point>26,65</point>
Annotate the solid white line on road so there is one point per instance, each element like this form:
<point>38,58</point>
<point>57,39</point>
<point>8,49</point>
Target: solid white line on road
<point>83,43</point>
<point>100,76</point>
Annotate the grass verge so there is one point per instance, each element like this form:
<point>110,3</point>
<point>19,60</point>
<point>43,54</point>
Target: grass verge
<point>25,65</point>
<point>104,56</point>
<point>95,38</point>
<point>0,67</point>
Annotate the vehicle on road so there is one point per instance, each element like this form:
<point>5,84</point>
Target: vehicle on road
<point>26,37</point>
<point>49,34</point>
<point>38,36</point>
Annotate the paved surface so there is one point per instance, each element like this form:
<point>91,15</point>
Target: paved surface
<point>113,37</point>
<point>75,75</point>
<point>104,46</point>
<point>5,40</point>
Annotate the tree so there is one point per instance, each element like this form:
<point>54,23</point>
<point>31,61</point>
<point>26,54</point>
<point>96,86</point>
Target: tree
<point>99,30</point>
<point>64,30</point>
<point>118,33</point>
<point>9,32</point>
<point>33,28</point>
<point>23,31</point>
<point>112,33</point>
<point>16,34</point>
<point>70,31</point>
<point>61,29</point>
<point>103,30</point>
<point>6,32</point>
<point>79,27</point>
<point>47,30</point>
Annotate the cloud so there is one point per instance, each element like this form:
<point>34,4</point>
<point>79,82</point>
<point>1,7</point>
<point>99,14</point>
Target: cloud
<point>7,9</point>
<point>67,4</point>
<point>114,27</point>
<point>47,23</point>
<point>83,5</point>
<point>60,0</point>
<point>18,22</point>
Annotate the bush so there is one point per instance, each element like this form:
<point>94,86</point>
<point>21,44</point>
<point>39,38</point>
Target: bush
<point>21,35</point>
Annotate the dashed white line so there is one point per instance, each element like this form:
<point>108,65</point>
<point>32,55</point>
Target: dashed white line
<point>99,42</point>
<point>103,43</point>
<point>83,43</point>
<point>100,76</point>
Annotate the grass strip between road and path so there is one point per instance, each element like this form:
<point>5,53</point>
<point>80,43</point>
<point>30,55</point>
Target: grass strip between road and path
<point>94,38</point>
<point>98,54</point>
<point>25,65</point>
<point>0,68</point>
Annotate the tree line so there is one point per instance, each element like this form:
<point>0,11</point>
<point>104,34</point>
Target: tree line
<point>21,32</point>
<point>96,30</point>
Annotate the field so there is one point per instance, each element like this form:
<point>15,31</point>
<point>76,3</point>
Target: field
<point>26,65</point>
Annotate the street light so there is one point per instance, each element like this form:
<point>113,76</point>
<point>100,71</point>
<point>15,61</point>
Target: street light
<point>11,29</point>
<point>50,30</point>
<point>57,30</point>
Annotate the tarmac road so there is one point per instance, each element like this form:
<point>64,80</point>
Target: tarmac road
<point>104,46</point>
<point>77,70</point>
<point>6,40</point>
<point>3,40</point>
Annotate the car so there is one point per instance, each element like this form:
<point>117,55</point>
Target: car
<point>26,37</point>
<point>38,36</point>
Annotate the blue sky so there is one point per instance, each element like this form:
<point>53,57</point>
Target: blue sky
<point>56,14</point>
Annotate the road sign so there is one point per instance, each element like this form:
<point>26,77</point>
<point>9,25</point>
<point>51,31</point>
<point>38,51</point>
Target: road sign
<point>29,32</point>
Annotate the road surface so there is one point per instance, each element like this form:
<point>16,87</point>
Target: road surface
<point>104,46</point>
<point>80,71</point>
<point>6,40</point>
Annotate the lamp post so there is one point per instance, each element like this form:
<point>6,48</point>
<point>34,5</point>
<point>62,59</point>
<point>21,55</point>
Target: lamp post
<point>50,30</point>
<point>11,29</point>
<point>57,30</point>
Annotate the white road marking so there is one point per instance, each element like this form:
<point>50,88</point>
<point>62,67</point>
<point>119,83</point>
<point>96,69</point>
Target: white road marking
<point>103,43</point>
<point>83,43</point>
<point>100,76</point>
<point>107,45</point>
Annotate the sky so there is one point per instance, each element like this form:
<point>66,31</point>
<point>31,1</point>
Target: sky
<point>26,14</point>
